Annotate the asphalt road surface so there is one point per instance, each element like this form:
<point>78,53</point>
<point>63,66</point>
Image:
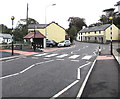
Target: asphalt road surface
<point>52,74</point>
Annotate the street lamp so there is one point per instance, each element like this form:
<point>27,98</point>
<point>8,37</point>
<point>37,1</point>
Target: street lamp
<point>12,18</point>
<point>111,19</point>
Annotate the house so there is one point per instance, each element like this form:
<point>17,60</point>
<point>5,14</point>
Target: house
<point>36,37</point>
<point>5,38</point>
<point>100,34</point>
<point>52,31</point>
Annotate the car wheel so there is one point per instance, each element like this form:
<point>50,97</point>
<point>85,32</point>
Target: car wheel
<point>51,45</point>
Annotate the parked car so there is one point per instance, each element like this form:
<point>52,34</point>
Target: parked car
<point>64,43</point>
<point>50,43</point>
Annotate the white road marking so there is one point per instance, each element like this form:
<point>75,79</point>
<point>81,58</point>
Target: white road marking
<point>12,59</point>
<point>75,60</point>
<point>41,54</point>
<point>61,56</point>
<point>9,76</point>
<point>59,59</point>
<point>79,69</point>
<point>74,56</point>
<point>51,55</point>
<point>65,89</point>
<point>78,74</point>
<point>25,69</point>
<point>85,81</point>
<point>34,57</point>
<point>46,58</point>
<point>84,65</point>
<point>94,52</point>
<point>87,57</point>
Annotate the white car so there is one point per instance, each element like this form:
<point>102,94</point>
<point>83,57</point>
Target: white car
<point>64,43</point>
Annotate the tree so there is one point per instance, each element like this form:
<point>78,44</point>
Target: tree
<point>21,30</point>
<point>75,25</point>
<point>103,19</point>
<point>4,29</point>
<point>72,33</point>
<point>116,20</point>
<point>77,22</point>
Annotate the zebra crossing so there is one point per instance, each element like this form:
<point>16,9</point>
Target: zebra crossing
<point>61,56</point>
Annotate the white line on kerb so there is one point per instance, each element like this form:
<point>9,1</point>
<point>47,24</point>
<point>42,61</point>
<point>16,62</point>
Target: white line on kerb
<point>85,81</point>
<point>65,89</point>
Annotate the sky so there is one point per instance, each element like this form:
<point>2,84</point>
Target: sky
<point>90,10</point>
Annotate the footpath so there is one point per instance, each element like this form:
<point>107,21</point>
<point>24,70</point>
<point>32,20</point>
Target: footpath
<point>104,80</point>
<point>5,54</point>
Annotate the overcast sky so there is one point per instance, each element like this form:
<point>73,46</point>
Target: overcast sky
<point>91,10</point>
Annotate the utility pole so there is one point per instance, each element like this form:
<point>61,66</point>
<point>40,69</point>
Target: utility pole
<point>27,18</point>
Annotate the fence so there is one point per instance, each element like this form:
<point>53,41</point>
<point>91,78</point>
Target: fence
<point>16,46</point>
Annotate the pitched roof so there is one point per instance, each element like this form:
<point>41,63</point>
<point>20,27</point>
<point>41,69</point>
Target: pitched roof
<point>41,26</point>
<point>5,35</point>
<point>96,28</point>
<point>37,26</point>
<point>31,35</point>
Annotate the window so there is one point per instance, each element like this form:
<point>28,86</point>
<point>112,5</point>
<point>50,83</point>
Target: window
<point>99,32</point>
<point>95,32</point>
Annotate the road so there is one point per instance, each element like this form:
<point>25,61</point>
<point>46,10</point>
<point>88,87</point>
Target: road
<point>52,74</point>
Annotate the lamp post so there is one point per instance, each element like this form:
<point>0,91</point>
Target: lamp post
<point>12,18</point>
<point>34,44</point>
<point>111,19</point>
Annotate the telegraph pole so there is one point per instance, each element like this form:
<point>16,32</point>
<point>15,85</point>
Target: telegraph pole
<point>27,18</point>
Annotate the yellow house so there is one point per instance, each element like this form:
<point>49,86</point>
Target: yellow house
<point>101,34</point>
<point>51,31</point>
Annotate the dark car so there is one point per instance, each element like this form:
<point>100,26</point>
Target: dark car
<point>50,43</point>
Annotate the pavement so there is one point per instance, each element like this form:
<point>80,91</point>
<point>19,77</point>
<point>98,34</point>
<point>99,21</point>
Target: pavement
<point>104,79</point>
